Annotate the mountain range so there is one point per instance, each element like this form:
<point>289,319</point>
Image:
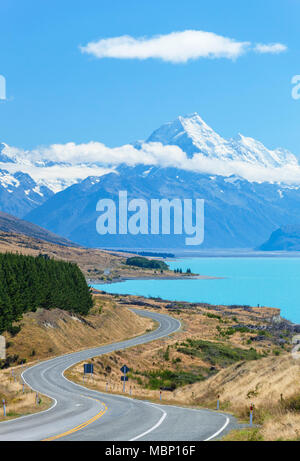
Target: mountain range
<point>249,190</point>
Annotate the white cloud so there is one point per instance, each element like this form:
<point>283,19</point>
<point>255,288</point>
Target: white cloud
<point>272,48</point>
<point>174,47</point>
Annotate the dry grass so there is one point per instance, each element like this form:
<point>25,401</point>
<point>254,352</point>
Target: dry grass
<point>268,383</point>
<point>48,333</point>
<point>17,402</point>
<point>151,356</point>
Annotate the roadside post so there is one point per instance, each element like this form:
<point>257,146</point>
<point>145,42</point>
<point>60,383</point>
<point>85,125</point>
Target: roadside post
<point>37,398</point>
<point>218,403</point>
<point>106,386</point>
<point>159,395</point>
<point>251,415</point>
<point>4,408</point>
<point>130,391</point>
<point>124,378</point>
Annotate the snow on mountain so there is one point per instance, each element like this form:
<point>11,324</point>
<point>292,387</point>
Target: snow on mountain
<point>194,136</point>
<point>19,193</point>
<point>252,151</point>
<point>54,175</point>
<point>186,143</point>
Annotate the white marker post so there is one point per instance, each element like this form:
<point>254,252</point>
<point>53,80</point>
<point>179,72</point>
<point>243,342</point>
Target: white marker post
<point>251,415</point>
<point>4,408</point>
<point>218,403</point>
<point>159,395</point>
<point>106,387</point>
<point>37,398</point>
<point>130,390</point>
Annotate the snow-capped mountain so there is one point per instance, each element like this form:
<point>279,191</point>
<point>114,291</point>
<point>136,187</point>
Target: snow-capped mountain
<point>186,143</point>
<point>249,190</point>
<point>19,193</point>
<point>45,171</point>
<point>194,136</point>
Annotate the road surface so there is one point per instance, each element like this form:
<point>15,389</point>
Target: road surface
<point>78,413</point>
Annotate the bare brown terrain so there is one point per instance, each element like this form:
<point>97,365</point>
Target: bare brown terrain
<point>97,265</point>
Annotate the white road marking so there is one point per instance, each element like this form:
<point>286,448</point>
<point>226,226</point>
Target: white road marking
<point>219,431</point>
<point>151,428</point>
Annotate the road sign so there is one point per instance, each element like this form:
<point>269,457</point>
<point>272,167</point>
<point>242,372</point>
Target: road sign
<point>88,368</point>
<point>124,378</point>
<point>125,369</point>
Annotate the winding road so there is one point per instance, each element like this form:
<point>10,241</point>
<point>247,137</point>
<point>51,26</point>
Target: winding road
<point>78,413</point>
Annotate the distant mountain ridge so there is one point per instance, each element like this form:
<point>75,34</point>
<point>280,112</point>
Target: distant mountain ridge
<point>11,224</point>
<point>238,214</point>
<point>286,238</point>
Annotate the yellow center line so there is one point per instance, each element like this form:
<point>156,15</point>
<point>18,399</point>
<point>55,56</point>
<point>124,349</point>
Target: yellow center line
<point>81,426</point>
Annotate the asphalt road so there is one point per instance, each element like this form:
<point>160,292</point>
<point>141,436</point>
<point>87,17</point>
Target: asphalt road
<point>81,414</point>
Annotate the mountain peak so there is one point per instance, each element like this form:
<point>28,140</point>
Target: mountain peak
<point>192,134</point>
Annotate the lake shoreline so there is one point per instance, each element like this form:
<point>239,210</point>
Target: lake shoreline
<point>230,281</point>
<point>164,277</point>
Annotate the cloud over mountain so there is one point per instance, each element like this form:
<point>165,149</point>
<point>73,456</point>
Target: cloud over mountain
<point>186,143</point>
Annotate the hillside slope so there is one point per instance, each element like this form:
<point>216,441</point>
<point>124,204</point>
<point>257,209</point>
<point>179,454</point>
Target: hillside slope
<point>46,333</point>
<point>271,384</point>
<point>11,224</point>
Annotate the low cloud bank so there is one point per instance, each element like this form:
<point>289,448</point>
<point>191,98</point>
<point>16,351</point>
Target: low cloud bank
<point>73,162</point>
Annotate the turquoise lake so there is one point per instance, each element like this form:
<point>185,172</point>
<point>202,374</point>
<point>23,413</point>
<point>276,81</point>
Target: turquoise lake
<point>273,281</point>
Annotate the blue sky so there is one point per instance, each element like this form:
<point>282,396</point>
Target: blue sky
<point>57,94</point>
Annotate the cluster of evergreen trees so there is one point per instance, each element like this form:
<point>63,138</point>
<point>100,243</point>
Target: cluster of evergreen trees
<point>27,283</point>
<point>146,263</point>
<point>179,271</point>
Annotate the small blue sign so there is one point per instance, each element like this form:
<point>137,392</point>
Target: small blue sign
<point>124,378</point>
<point>88,368</point>
<point>125,369</point>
